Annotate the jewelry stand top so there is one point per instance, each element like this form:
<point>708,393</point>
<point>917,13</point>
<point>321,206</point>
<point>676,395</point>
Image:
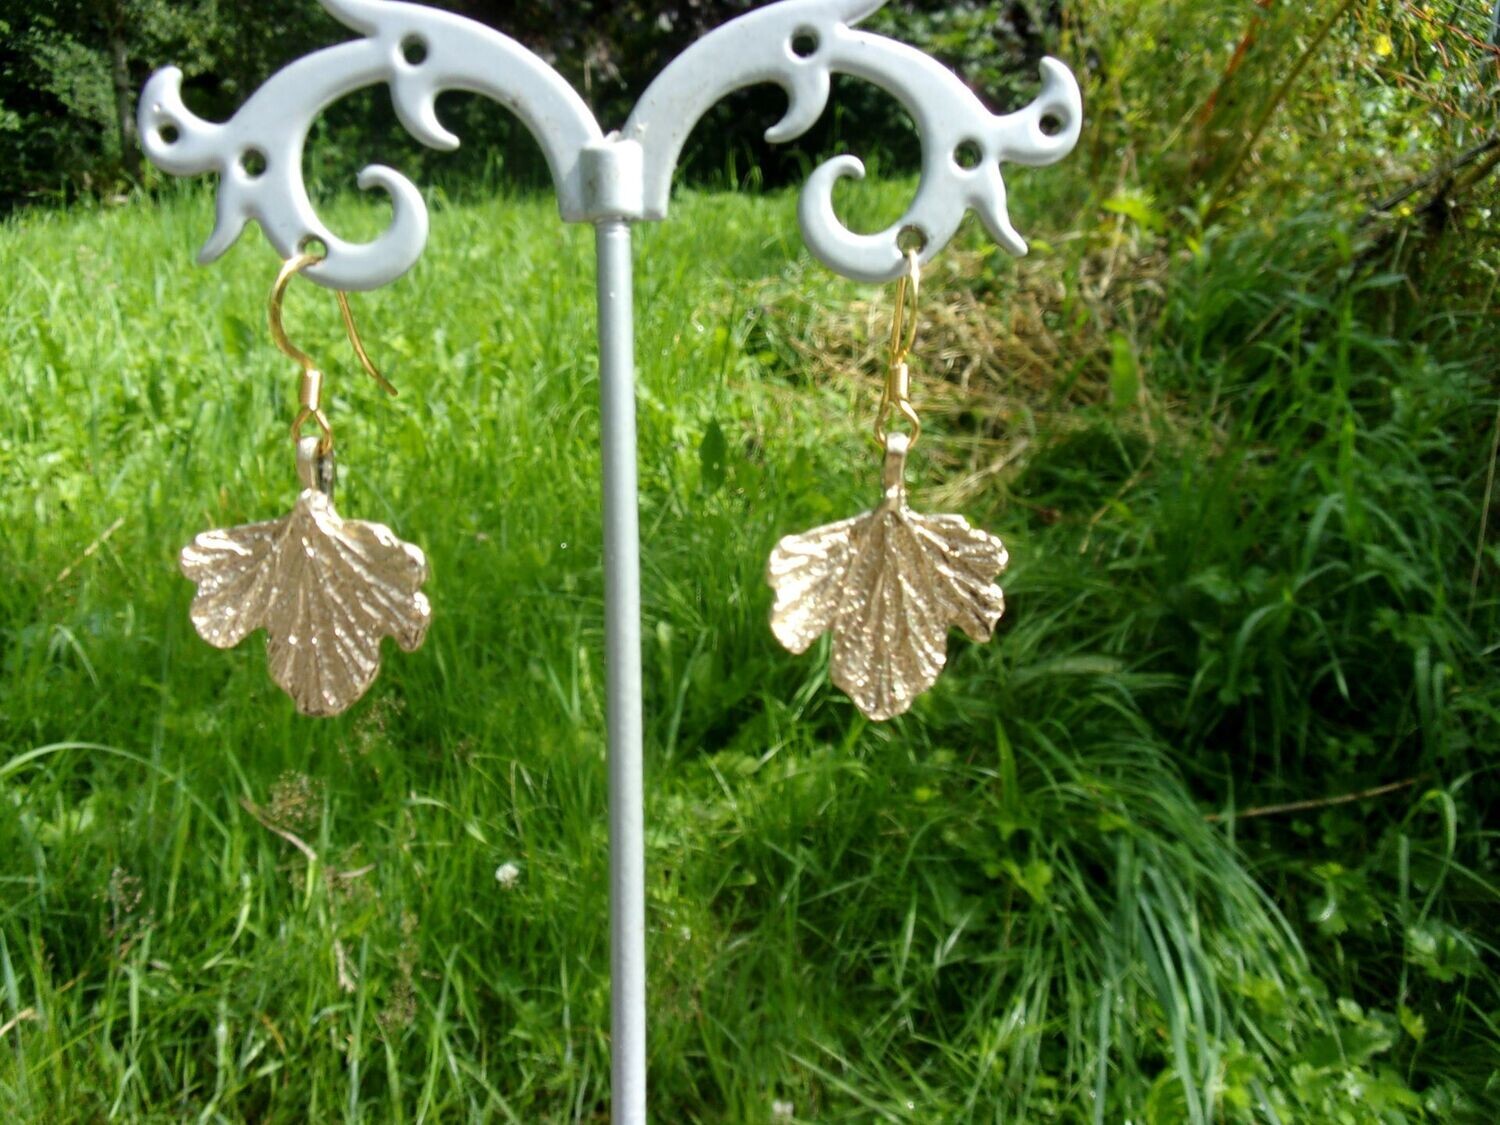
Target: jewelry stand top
<point>420,52</point>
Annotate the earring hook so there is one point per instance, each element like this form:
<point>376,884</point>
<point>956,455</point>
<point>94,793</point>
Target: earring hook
<point>904,321</point>
<point>311,391</point>
<point>895,395</point>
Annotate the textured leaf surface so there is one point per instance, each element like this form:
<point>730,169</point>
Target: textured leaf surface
<point>889,584</point>
<point>325,589</point>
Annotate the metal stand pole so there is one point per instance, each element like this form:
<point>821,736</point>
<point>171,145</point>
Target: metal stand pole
<point>622,646</point>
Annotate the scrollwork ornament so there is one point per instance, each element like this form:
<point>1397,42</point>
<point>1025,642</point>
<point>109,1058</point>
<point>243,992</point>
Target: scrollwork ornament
<point>420,52</point>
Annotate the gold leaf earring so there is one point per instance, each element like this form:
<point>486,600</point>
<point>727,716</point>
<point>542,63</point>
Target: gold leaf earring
<point>889,582</point>
<point>325,589</point>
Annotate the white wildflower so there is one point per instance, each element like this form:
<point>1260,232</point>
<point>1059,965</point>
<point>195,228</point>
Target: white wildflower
<point>508,874</point>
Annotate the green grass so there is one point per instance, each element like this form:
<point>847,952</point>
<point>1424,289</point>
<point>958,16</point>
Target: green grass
<point>1005,906</point>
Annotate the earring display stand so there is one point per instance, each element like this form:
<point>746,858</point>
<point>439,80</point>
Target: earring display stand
<point>610,180</point>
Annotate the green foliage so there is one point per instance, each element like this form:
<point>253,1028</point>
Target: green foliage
<point>1213,104</point>
<point>1204,835</point>
<point>59,100</point>
<point>1007,904</point>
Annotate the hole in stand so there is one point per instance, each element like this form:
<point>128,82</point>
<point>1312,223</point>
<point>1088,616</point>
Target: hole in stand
<point>1051,125</point>
<point>313,245</point>
<point>968,155</point>
<point>253,162</point>
<point>414,50</point>
<point>911,238</point>
<point>168,134</point>
<point>805,43</point>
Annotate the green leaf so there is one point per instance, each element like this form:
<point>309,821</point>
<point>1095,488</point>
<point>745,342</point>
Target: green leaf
<point>1414,1024</point>
<point>1137,206</point>
<point>1441,951</point>
<point>239,337</point>
<point>1216,584</point>
<point>1166,1102</point>
<point>1124,372</point>
<point>713,453</point>
<point>1034,878</point>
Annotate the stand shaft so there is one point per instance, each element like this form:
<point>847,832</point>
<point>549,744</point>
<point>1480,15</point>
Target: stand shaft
<point>622,642</point>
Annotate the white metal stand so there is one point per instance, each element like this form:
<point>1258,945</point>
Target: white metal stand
<point>609,180</point>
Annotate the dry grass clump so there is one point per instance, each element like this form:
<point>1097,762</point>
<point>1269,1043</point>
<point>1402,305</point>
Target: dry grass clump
<point>297,801</point>
<point>1007,350</point>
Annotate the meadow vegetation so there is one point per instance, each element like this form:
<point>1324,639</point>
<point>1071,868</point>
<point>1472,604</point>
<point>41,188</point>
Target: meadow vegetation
<point>1203,835</point>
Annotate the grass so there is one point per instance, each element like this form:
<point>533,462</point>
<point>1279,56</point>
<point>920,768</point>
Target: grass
<point>1242,542</point>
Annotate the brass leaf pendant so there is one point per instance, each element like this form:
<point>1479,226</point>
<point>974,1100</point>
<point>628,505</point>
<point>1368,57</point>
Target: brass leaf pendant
<point>888,583</point>
<point>325,589</point>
